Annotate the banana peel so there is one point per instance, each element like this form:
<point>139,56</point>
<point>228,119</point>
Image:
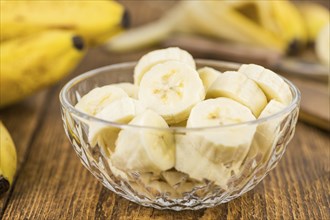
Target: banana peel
<point>88,19</point>
<point>39,47</point>
<point>38,60</point>
<point>8,159</point>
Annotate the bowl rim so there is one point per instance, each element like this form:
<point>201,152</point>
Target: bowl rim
<point>81,115</point>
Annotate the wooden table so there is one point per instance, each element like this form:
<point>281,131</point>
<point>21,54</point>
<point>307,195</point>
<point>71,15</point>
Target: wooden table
<point>51,183</point>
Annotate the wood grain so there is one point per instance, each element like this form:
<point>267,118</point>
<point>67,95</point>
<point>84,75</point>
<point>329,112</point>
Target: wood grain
<point>52,183</point>
<point>21,121</point>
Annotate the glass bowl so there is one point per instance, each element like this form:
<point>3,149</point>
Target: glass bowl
<point>171,189</point>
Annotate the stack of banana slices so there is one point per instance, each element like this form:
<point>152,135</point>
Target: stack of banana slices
<point>201,105</point>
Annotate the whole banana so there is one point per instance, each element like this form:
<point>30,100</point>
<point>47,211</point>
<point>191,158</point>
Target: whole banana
<point>93,20</point>
<point>291,26</point>
<point>8,159</point>
<point>37,60</point>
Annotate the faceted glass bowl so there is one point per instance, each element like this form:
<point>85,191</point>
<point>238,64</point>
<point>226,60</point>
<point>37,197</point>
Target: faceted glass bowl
<point>172,189</point>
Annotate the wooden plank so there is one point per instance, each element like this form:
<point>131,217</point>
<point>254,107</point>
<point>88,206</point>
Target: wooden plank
<point>54,185</point>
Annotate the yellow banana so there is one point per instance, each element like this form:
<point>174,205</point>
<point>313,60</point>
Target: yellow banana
<point>290,23</point>
<point>316,16</point>
<point>89,19</point>
<point>8,159</point>
<point>32,62</point>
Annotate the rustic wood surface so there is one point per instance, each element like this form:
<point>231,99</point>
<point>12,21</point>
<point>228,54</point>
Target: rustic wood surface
<point>51,183</point>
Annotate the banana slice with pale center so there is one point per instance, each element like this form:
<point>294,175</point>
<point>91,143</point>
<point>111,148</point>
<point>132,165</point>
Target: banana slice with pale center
<point>222,145</point>
<point>171,89</point>
<point>240,88</point>
<point>131,89</point>
<point>95,100</point>
<point>271,84</point>
<point>119,111</point>
<point>145,149</point>
<point>267,131</point>
<point>208,75</point>
<point>159,56</point>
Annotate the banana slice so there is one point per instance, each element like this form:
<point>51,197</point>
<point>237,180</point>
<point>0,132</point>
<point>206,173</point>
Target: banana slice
<point>171,89</point>
<point>131,89</point>
<point>119,111</point>
<point>174,178</point>
<point>152,186</point>
<point>160,56</point>
<point>239,87</point>
<point>145,150</point>
<point>271,84</point>
<point>190,161</point>
<point>180,124</point>
<point>267,132</point>
<point>227,145</point>
<point>117,172</point>
<point>95,100</point>
<point>208,76</point>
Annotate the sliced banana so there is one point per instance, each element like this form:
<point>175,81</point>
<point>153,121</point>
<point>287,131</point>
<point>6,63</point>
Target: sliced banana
<point>144,149</point>
<point>271,84</point>
<point>190,161</point>
<point>174,178</point>
<point>159,56</point>
<point>222,145</point>
<point>152,185</point>
<point>95,100</point>
<point>239,87</point>
<point>119,111</point>
<point>117,172</point>
<point>131,89</point>
<point>181,124</point>
<point>171,89</point>
<point>263,141</point>
<point>208,75</point>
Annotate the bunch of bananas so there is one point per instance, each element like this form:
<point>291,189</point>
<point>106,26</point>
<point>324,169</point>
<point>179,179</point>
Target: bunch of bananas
<point>41,41</point>
<point>277,25</point>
